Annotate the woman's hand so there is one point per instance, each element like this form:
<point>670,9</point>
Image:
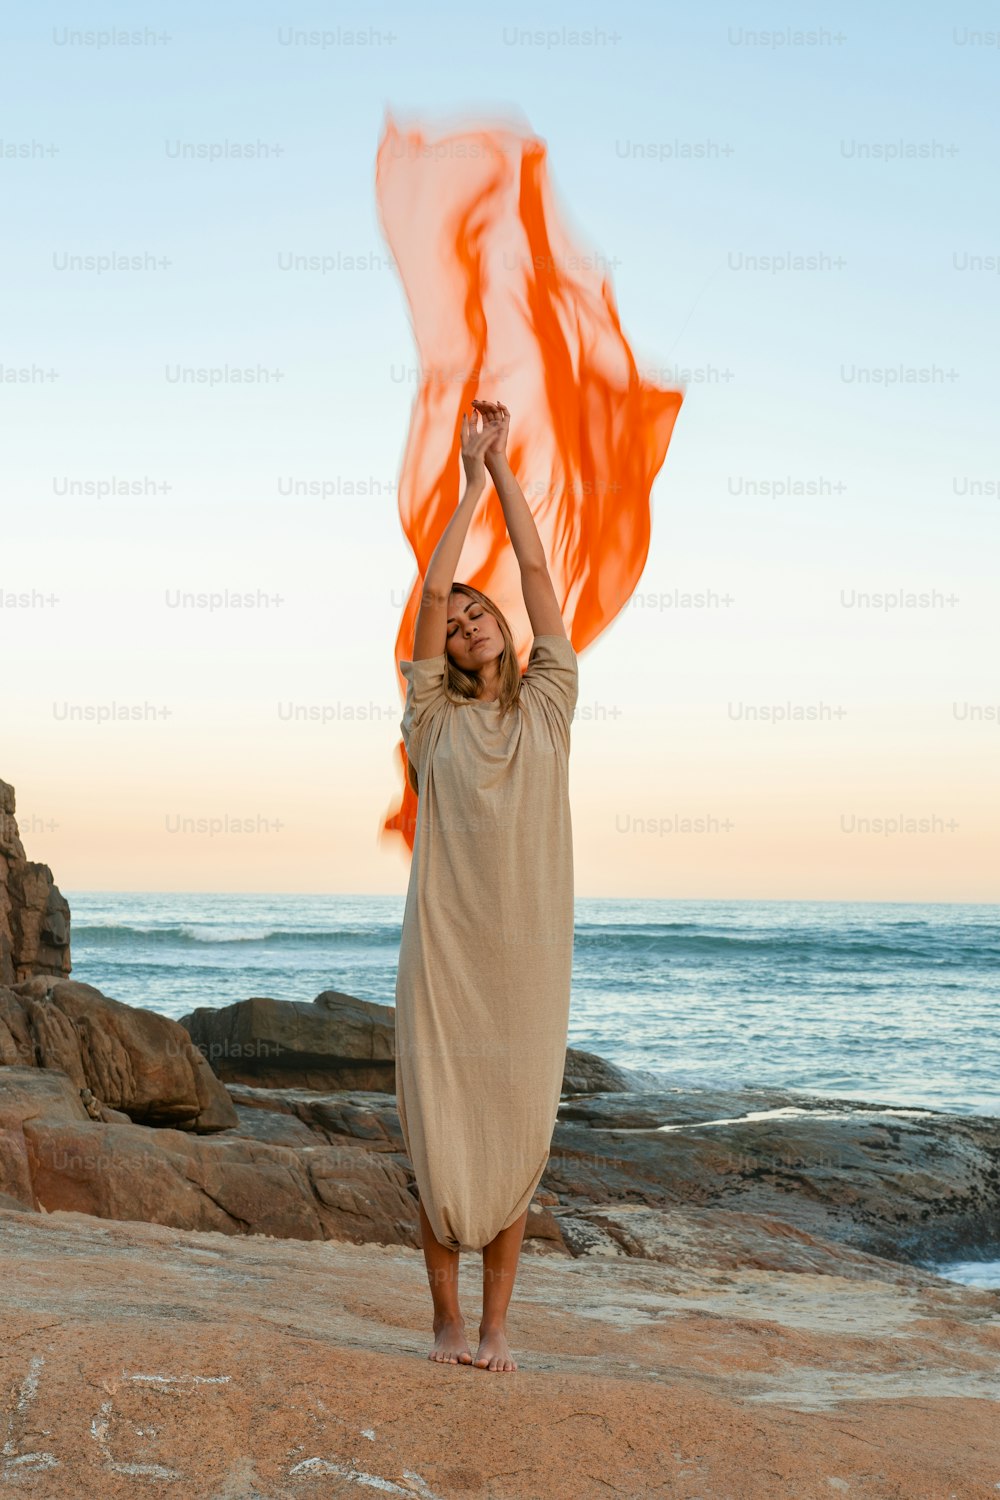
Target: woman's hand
<point>499,418</point>
<point>474,446</point>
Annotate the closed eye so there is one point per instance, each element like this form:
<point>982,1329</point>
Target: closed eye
<point>471,617</point>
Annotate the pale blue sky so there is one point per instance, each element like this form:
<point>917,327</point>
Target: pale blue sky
<point>896,463</point>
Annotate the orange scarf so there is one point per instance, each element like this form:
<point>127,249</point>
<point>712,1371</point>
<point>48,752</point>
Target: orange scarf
<point>505,306</point>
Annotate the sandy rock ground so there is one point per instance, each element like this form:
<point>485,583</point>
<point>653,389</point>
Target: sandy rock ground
<point>144,1360</point>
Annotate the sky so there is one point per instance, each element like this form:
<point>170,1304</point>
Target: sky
<point>799,220</point>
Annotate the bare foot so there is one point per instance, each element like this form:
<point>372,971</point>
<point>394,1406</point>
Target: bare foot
<point>493,1352</point>
<point>450,1346</point>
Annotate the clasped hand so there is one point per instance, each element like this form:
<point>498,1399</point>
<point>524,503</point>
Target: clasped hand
<point>481,448</point>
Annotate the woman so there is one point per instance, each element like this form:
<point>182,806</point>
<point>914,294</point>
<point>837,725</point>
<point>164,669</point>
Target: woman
<point>482,993</point>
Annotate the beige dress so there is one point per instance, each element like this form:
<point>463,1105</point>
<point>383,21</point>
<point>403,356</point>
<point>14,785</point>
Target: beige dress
<point>483,986</point>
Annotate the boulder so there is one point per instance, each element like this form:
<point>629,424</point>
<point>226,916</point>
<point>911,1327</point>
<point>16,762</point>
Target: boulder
<point>586,1073</point>
<point>55,1157</point>
<point>334,1042</point>
<point>34,915</point>
<point>340,1042</point>
<point>134,1061</point>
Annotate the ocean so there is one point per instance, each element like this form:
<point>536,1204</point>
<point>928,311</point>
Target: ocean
<point>893,1003</point>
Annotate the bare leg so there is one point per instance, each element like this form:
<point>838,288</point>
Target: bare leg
<point>500,1258</point>
<point>450,1345</point>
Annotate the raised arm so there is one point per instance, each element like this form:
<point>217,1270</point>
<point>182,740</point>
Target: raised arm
<point>431,632</point>
<point>539,596</point>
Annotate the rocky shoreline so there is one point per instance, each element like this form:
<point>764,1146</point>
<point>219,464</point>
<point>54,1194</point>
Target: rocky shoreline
<point>214,1287</point>
<point>277,1117</point>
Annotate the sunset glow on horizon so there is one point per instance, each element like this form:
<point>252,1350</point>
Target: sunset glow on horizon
<point>209,378</point>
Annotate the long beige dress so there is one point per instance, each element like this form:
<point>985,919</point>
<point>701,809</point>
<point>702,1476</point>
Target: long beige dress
<point>483,986</point>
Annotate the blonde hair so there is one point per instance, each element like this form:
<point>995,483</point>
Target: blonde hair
<point>462,686</point>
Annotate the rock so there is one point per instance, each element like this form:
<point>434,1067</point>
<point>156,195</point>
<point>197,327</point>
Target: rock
<point>34,915</point>
<point>98,1111</point>
<point>340,1042</point>
<point>35,1094</point>
<point>635,1108</point>
<point>91,1105</point>
<point>274,1176</point>
<point>27,1094</point>
<point>273,1126</point>
<point>57,1158</point>
<point>296,1117</point>
<point>334,1042</point>
<point>901,1184</point>
<point>691,1238</point>
<point>134,1061</point>
<point>586,1073</point>
<point>543,1228</point>
<point>142,1359</point>
<point>906,1184</point>
<point>371,1118</point>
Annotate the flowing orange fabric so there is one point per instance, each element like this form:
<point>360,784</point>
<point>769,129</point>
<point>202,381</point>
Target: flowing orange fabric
<point>506,307</point>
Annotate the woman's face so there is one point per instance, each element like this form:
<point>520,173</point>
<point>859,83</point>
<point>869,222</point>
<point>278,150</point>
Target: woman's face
<point>474,636</point>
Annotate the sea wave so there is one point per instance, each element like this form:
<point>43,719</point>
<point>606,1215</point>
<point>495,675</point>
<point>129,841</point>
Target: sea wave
<point>936,949</point>
<point>114,934</point>
<point>944,949</point>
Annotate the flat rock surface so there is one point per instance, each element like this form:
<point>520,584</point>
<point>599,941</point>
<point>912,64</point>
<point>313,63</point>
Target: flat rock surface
<point>141,1359</point>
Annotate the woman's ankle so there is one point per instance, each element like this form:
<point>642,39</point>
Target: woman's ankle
<point>442,1319</point>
